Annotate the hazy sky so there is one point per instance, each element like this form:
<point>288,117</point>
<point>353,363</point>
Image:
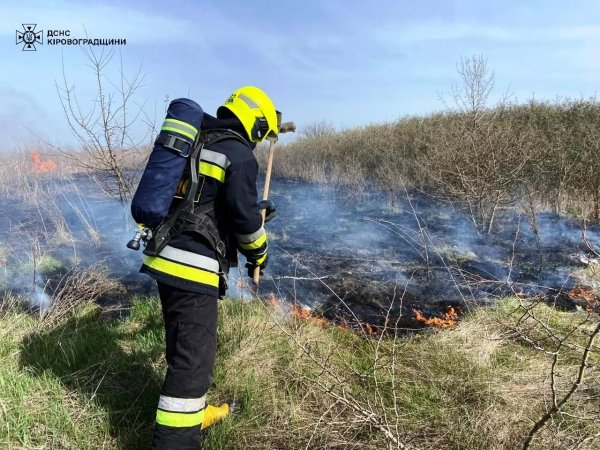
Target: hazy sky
<point>347,62</point>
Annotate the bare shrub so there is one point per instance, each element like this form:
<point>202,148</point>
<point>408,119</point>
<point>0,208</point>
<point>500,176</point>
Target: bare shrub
<point>77,287</point>
<point>484,157</point>
<point>317,129</point>
<point>571,395</point>
<point>104,131</point>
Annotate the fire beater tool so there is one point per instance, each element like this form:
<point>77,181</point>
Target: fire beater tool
<point>284,128</point>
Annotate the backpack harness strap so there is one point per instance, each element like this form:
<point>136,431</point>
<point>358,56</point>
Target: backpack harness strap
<point>205,226</point>
<point>188,218</point>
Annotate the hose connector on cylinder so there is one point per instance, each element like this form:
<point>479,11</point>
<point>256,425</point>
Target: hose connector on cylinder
<point>141,234</point>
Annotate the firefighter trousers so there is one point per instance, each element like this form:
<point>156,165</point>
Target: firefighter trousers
<point>191,343</point>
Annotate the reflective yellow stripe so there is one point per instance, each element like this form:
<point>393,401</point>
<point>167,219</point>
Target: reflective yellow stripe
<point>181,271</point>
<point>178,420</point>
<point>261,260</point>
<point>180,127</point>
<point>183,124</point>
<point>256,244</point>
<point>188,135</point>
<point>247,238</point>
<point>212,171</point>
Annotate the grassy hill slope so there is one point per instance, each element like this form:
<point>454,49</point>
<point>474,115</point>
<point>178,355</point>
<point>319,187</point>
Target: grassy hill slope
<point>90,380</point>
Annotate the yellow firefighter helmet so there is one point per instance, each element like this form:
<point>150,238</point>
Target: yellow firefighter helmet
<point>255,110</point>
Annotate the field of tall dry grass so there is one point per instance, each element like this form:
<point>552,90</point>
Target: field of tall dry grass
<point>535,155</point>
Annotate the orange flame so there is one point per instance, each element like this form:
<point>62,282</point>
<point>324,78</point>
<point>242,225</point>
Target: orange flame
<point>274,301</point>
<point>40,165</point>
<point>300,313</point>
<point>586,295</point>
<point>446,320</point>
<point>582,292</point>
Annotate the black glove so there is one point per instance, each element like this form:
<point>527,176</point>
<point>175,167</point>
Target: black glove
<point>251,265</point>
<point>270,208</point>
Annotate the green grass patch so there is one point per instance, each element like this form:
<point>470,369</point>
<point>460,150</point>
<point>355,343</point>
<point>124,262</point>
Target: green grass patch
<point>47,264</point>
<point>92,381</point>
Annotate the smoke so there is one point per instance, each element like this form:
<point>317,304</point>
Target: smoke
<point>365,246</point>
<point>40,299</point>
<point>59,224</point>
<point>329,248</point>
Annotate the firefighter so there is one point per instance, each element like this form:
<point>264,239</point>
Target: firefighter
<point>190,271</point>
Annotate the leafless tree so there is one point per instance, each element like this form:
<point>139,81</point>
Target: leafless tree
<point>477,82</point>
<point>104,130</point>
<point>477,155</point>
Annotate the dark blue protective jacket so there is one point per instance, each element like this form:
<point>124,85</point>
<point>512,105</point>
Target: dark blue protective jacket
<point>228,172</point>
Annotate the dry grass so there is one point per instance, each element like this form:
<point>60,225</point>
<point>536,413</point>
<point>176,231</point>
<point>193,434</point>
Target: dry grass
<point>472,387</point>
<point>77,287</point>
<point>530,155</point>
<point>298,383</point>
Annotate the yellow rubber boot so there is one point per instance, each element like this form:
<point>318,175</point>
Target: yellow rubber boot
<point>213,414</point>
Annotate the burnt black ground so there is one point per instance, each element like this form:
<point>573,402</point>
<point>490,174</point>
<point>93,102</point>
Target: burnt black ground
<point>349,253</point>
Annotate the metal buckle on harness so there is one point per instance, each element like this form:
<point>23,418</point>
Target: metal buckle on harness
<point>176,143</point>
<point>221,249</point>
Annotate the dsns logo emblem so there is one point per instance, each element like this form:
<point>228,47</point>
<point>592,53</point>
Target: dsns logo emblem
<point>29,37</point>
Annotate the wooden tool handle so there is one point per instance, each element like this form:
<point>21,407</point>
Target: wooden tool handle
<point>256,275</point>
<point>284,128</point>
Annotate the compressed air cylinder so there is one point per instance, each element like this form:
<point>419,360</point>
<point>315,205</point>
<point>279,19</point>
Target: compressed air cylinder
<point>174,144</point>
